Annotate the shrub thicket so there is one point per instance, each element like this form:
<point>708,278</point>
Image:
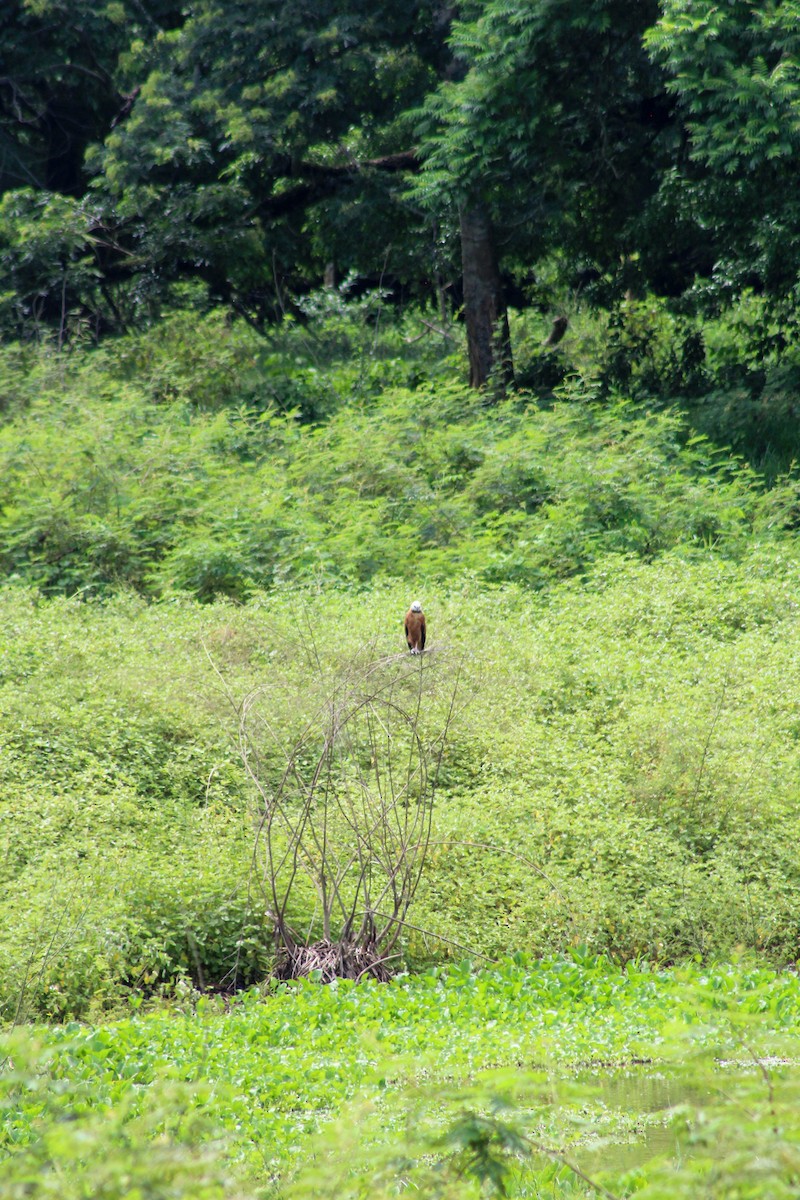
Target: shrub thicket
<point>624,775</point>
<point>165,469</point>
<point>619,591</point>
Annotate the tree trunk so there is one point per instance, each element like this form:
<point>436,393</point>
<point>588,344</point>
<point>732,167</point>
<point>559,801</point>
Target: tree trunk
<point>488,339</point>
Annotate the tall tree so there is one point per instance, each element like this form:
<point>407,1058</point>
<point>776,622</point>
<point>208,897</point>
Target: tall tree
<point>735,70</point>
<point>485,312</point>
<point>244,146</point>
<point>267,139</point>
<point>554,135</point>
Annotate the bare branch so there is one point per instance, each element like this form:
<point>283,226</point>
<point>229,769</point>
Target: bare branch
<point>350,810</point>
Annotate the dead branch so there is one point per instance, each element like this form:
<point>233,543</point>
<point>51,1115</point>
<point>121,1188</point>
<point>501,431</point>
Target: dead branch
<point>349,814</point>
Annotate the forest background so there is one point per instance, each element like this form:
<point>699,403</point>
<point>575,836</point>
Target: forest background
<point>311,308</point>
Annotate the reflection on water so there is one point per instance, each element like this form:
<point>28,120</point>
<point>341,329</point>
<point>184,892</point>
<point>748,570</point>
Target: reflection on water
<point>639,1090</point>
<point>646,1091</point>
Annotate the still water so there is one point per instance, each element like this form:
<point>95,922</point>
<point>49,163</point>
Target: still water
<point>646,1098</point>
<point>640,1092</point>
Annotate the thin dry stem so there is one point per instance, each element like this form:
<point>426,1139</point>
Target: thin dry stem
<point>351,810</point>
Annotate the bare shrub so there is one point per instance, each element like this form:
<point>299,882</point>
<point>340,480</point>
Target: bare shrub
<point>350,814</point>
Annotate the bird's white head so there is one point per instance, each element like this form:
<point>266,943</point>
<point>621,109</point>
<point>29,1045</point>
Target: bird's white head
<point>416,606</point>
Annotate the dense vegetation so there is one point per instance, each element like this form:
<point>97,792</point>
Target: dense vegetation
<point>446,1079</point>
<point>623,774</point>
<point>464,155</point>
<point>617,594</point>
<point>618,598</point>
<point>249,249</point>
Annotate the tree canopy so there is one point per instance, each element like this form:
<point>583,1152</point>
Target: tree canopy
<point>735,71</point>
<point>246,149</point>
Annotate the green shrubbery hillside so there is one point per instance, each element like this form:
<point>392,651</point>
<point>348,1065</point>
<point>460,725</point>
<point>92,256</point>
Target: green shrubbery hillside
<point>194,529</point>
<point>624,772</point>
<point>177,532</point>
<point>168,465</point>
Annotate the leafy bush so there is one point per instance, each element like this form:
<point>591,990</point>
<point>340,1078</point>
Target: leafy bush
<point>734,376</point>
<point>623,774</point>
<point>69,1142</point>
<point>651,354</point>
<point>50,271</point>
<point>125,835</point>
<point>101,488</point>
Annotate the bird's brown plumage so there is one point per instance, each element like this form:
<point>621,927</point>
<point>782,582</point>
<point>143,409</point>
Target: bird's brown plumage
<point>415,630</point>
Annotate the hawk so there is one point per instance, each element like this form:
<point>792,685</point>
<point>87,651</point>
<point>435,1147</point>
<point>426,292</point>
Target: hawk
<point>415,628</point>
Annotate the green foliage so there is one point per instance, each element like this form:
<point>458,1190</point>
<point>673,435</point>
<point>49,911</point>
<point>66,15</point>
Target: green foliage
<point>650,354</point>
<point>252,156</point>
<point>125,840</point>
<point>50,266</point>
<point>66,1142</point>
<point>61,89</point>
<point>396,1067</point>
<point>735,71</point>
<point>192,516</point>
<point>735,376</point>
<point>521,1133</point>
<point>545,117</point>
<point>623,775</point>
<point>101,488</point>
<point>237,153</point>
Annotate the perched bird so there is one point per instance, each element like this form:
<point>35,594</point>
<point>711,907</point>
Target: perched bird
<point>415,628</point>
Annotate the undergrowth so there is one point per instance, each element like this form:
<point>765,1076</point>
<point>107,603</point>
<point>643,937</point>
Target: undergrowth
<point>622,772</point>
<point>174,466</point>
